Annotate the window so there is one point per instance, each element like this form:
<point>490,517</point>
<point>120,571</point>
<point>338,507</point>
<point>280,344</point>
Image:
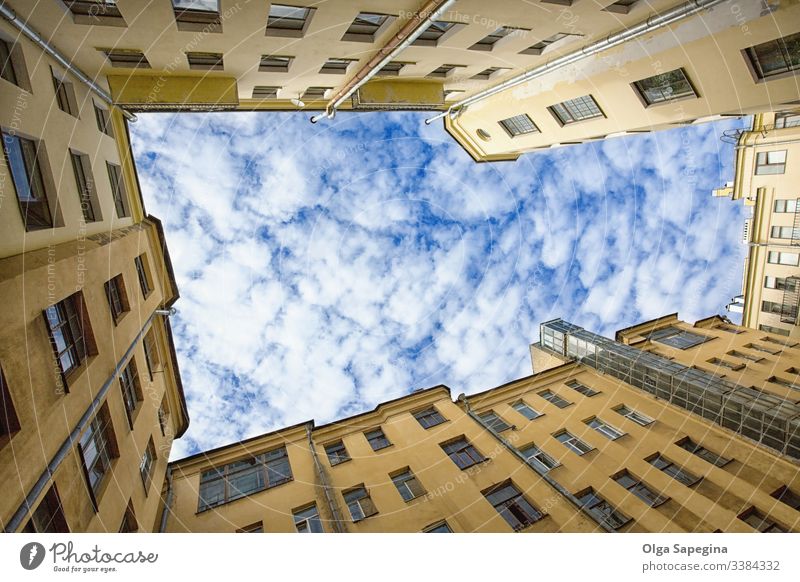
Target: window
<point>376,439</point>
<point>621,6</point>
<point>429,417</point>
<point>553,398</point>
<point>152,355</point>
<point>335,66</point>
<point>241,478</point>
<point>787,496</point>
<point>512,505</point>
<point>434,33</point>
<point>604,428</point>
<point>783,343</point>
<point>262,92</point>
<point>525,410</point>
<point>494,421</point>
<point>744,356</point>
<point>573,443</point>
<point>7,70</point>
<point>197,15</point>
<point>146,465</point>
<point>688,444</point>
<point>257,527</point>
<point>487,43</point>
<point>785,383</point>
<point>760,522</point>
<point>443,71</point>
<point>661,463</point>
<point>577,109</point>
<point>391,69</point>
<point>365,26</point>
<point>583,389</point>
<point>306,519</point>
<point>780,283</point>
<point>789,206</point>
<point>771,162</point>
<point>538,458</point>
<point>438,527</point>
<point>143,274</point>
<point>772,329</point>
<point>487,74</point>
<point>9,423</point>
<point>463,454</point>
<point>785,232</point>
<point>775,57</point>
<point>728,328</point>
<point>602,509</point>
<point>518,125</point>
<point>118,190</point>
<point>97,447</point>
<point>129,523</point>
<point>127,59</point>
<point>784,119</point>
<point>22,158</point>
<point>94,11</point>
<point>65,95</point>
<point>49,516</point>
<point>677,338</point>
<point>288,21</point>
<point>642,491</point>
<point>545,43</point>
<point>780,258</point>
<point>359,503</point>
<point>205,61</point>
<point>131,390</point>
<point>315,92</point>
<point>761,348</point>
<point>101,115</point>
<point>163,415</point>
<point>70,332</point>
<point>779,309</point>
<point>85,183</point>
<point>408,485</point>
<point>719,362</point>
<point>665,87</point>
<point>336,453</point>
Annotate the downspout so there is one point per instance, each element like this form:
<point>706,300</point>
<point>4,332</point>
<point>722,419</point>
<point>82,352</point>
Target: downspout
<point>338,525</point>
<point>651,24</point>
<point>37,38</point>
<point>550,481</point>
<point>418,24</point>
<point>167,502</point>
<point>66,447</point>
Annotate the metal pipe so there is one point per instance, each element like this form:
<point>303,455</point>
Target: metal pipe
<point>550,481</point>
<point>337,520</point>
<point>653,23</point>
<point>66,447</point>
<point>35,37</point>
<point>408,34</point>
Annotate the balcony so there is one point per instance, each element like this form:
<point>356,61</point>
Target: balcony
<point>791,300</point>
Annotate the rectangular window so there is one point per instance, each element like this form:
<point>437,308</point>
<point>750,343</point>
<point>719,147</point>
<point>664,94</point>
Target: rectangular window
<point>408,485</point>
<point>163,415</point>
<point>546,43</point>
<point>197,15</point>
<point>376,439</point>
<point>784,119</point>
<point>761,348</point>
<point>205,61</point>
<point>49,515</point>
<point>688,444</point>
<point>391,69</point>
<point>621,6</point>
<point>678,338</point>
<point>574,110</point>
<point>665,87</point>
<point>364,27</point>
<point>780,283</point>
<point>85,183</point>
<point>775,57</point>
<point>494,421</point>
<point>429,417</point>
<point>662,463</point>
<point>487,43</point>
<point>583,389</point>
<point>536,457</point>
<point>335,66</point>
<point>70,332</point>
<point>257,527</point>
<point>117,297</point>
<point>264,92</point>
<point>131,390</point>
<point>359,503</point>
<point>98,447</point>
<point>719,362</point>
<point>573,443</point>
<point>793,385</point>
<point>787,496</point>
<point>744,356</point>
<point>602,509</point>
<point>241,478</point>
<point>143,274</point>
<point>22,158</point>
<point>7,70</point>
<point>786,206</point>
<point>786,232</point>
<point>438,527</point>
<point>642,491</point>
<point>118,190</point>
<point>604,429</point>
<point>760,522</point>
<point>93,11</point>
<point>313,93</point>
<point>512,505</point>
<point>288,21</point>
<point>487,74</point>
<point>9,423</point>
<point>783,343</point>
<point>306,520</point>
<point>780,258</point>
<point>443,72</point>
<point>336,453</point>
<point>152,356</point>
<point>65,96</point>
<point>554,398</point>
<point>772,329</point>
<point>518,125</point>
<point>127,59</point>
<point>525,410</point>
<point>431,35</point>
<point>103,120</point>
<point>462,453</point>
<point>770,162</point>
<point>146,465</point>
<point>129,523</point>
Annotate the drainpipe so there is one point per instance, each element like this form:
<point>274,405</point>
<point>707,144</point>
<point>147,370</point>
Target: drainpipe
<point>550,481</point>
<point>651,24</point>
<point>338,525</point>
<point>37,39</point>
<point>167,502</point>
<point>418,24</point>
<point>67,446</point>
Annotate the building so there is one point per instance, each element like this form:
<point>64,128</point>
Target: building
<point>610,435</point>
<point>507,80</point>
<point>90,391</point>
<point>766,174</point>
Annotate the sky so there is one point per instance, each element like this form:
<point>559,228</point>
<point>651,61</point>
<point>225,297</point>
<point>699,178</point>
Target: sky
<point>326,268</point>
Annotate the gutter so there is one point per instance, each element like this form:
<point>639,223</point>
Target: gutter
<point>338,525</point>
<point>653,23</point>
<point>418,24</point>
<point>9,14</point>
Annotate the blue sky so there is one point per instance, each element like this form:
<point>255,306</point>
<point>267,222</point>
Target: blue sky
<point>326,268</point>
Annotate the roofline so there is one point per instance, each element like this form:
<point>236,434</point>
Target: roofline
<point>167,260</point>
<point>178,381</point>
<point>619,333</point>
<point>529,377</point>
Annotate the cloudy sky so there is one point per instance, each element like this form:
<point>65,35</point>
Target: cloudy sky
<point>326,268</point>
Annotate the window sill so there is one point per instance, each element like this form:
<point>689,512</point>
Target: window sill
<point>120,317</point>
<point>389,446</point>
<point>342,462</point>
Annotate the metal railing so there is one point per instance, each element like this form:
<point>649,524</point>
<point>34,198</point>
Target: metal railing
<point>791,300</point>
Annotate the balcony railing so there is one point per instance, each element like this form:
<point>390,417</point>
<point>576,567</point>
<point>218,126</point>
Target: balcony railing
<point>791,300</point>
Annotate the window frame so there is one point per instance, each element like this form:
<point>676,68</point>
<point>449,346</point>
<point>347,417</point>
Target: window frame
<point>197,19</point>
<point>535,460</point>
<point>126,58</point>
<point>513,125</point>
<point>71,326</point>
<point>402,480</point>
<point>142,265</point>
<point>119,192</point>
<point>602,427</point>
<point>430,412</point>
<point>644,92</point>
<point>336,453</point>
<point>288,31</point>
<point>147,464</point>
<point>381,439</point>
<point>462,452</point>
<point>755,64</point>
<point>366,31</point>
<point>700,451</point>
<point>573,443</point>
<point>496,422</point>
<point>37,188</point>
<point>100,434</point>
<point>516,500</point>
<point>51,504</point>
<point>590,500</point>
<point>205,61</point>
<point>9,421</point>
<point>131,390</point>
<point>673,470</point>
<point>554,398</point>
<point>640,489</point>
<point>308,520</point>
<point>633,414</point>
<point>523,404</point>
<point>85,184</point>
<point>366,507</point>
<point>765,166</point>
<point>569,106</point>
